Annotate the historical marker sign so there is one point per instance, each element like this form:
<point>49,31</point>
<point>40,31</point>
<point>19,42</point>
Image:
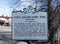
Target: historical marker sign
<point>30,26</point>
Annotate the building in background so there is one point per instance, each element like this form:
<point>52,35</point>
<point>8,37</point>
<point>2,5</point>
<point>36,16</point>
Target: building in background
<point>5,20</point>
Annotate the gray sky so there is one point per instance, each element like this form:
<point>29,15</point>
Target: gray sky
<point>6,6</point>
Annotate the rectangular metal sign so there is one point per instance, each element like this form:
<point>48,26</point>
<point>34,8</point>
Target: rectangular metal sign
<point>29,26</point>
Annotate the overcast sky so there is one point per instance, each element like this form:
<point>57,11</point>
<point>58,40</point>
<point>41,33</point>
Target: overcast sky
<point>6,6</point>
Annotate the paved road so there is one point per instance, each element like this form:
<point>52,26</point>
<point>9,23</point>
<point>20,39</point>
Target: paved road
<point>5,29</point>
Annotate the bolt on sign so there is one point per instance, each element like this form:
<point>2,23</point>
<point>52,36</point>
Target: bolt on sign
<point>29,26</point>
